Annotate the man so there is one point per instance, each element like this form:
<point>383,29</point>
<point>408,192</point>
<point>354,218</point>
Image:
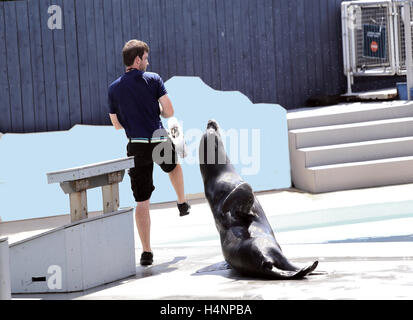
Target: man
<point>137,99</point>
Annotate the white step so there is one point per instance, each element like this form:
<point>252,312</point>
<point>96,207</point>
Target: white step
<point>358,151</point>
<point>349,133</point>
<point>349,113</point>
<point>360,174</point>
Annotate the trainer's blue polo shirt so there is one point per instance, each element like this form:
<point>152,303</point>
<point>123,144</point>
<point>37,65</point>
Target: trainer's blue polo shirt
<point>133,97</point>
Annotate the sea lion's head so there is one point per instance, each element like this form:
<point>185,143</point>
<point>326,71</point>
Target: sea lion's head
<point>211,147</point>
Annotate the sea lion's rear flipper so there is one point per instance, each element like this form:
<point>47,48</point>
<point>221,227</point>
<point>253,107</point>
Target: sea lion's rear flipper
<point>240,199</point>
<point>278,274</point>
<point>223,265</point>
<point>305,271</point>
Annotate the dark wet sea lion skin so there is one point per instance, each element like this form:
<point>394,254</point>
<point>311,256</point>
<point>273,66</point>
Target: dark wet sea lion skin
<point>247,239</point>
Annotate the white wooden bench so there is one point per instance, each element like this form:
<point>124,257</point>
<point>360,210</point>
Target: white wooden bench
<point>88,252</point>
<point>76,181</point>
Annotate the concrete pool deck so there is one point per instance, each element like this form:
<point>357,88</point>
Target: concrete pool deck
<point>361,238</point>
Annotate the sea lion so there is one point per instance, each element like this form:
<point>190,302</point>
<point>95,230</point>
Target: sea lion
<point>247,239</point>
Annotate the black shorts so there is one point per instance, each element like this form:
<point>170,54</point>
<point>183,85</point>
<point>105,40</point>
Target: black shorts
<point>162,153</point>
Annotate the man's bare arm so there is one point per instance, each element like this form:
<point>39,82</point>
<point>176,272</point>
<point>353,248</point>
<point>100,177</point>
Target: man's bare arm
<point>167,108</point>
<point>115,121</point>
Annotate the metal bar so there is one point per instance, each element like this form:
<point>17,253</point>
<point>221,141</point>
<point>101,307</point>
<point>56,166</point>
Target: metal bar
<point>346,46</point>
<point>408,47</point>
<point>393,41</point>
<point>397,49</point>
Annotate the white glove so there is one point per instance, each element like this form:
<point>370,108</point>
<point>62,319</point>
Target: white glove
<point>177,136</point>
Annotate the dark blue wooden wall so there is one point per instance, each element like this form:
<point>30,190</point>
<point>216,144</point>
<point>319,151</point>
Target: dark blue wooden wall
<point>274,51</point>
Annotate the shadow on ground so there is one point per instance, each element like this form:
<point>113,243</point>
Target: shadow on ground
<point>223,269</point>
<point>143,272</point>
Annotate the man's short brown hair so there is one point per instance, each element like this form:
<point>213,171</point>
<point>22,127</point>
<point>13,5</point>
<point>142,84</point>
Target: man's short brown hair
<point>132,49</point>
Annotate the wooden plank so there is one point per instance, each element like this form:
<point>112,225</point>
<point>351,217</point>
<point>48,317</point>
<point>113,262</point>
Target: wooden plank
<point>118,40</point>
<point>13,67</point>
<point>246,50</point>
<point>72,58</point>
<point>205,46</point>
<point>292,23</point>
<point>92,182</point>
<point>61,72</point>
<point>135,19</point>
<point>336,57</point>
<point>187,37</point>
<point>260,71</point>
<point>5,119</point>
<point>155,35</point>
<point>301,70</point>
<point>279,56</point>
<point>144,21</point>
<point>150,27</point>
<point>239,66</point>
<point>52,118</point>
<point>181,59</point>
<point>100,111</point>
<point>78,206</point>
<point>39,94</point>
<point>270,87</point>
<point>310,47</point>
<point>222,49</point>
<point>171,41</point>
<point>257,45</point>
<point>196,37</point>
<point>88,59</point>
<point>82,30</point>
<point>318,62</point>
<point>325,46</point>
<point>90,170</point>
<point>26,85</point>
<point>230,42</point>
<point>126,28</point>
<point>216,72</point>
<point>287,54</point>
<point>110,197</point>
<point>164,70</point>
<point>109,40</point>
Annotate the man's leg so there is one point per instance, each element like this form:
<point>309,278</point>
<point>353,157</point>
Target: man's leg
<point>177,179</point>
<point>142,187</point>
<point>143,223</point>
<point>173,168</point>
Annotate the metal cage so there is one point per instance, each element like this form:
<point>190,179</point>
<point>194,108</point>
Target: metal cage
<point>373,38</point>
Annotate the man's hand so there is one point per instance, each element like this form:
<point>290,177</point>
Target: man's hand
<point>167,108</point>
<point>115,121</point>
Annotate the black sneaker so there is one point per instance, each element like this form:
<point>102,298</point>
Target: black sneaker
<point>146,258</point>
<point>184,208</point>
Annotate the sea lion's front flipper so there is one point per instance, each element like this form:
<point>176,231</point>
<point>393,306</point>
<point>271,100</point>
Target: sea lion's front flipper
<point>241,199</point>
<point>223,265</point>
